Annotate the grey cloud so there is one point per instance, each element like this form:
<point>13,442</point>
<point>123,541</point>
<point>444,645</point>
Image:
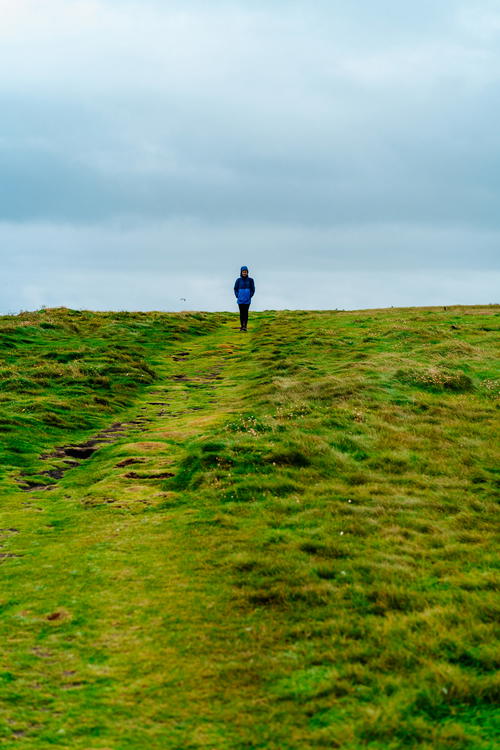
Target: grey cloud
<point>182,246</point>
<point>350,137</point>
<point>386,185</point>
<point>128,265</point>
<point>344,290</point>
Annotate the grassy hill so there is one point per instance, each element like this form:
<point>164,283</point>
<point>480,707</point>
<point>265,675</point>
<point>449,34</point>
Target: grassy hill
<point>284,539</point>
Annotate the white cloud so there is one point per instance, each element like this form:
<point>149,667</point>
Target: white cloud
<point>241,49</point>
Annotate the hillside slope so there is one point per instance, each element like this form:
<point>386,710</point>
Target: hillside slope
<point>284,539</point>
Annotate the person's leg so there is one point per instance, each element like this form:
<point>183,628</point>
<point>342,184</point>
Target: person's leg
<point>245,316</point>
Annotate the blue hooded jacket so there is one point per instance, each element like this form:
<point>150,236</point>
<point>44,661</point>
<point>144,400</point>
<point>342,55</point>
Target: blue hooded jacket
<point>244,289</point>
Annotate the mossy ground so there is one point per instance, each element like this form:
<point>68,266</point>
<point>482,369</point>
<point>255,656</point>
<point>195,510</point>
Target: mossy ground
<point>289,543</point>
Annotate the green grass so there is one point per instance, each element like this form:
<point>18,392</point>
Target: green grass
<point>288,543</point>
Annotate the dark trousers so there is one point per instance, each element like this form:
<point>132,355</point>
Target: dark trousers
<point>243,315</point>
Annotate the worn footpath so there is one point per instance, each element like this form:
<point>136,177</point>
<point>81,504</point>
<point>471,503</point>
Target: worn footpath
<point>121,630</point>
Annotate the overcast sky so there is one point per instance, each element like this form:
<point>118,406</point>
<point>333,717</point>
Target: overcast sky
<point>347,152</point>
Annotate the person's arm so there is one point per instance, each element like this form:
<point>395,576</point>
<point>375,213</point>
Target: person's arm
<point>236,287</point>
<point>252,287</point>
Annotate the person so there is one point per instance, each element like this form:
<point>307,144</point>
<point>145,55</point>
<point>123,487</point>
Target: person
<point>244,289</point>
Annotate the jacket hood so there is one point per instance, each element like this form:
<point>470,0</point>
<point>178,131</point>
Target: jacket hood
<point>243,268</point>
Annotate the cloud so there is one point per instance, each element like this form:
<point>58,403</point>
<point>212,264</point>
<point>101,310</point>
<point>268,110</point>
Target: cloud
<point>359,136</point>
<point>242,113</point>
<point>153,266</point>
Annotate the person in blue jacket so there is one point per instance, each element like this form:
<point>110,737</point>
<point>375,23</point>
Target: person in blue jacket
<point>244,289</point>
